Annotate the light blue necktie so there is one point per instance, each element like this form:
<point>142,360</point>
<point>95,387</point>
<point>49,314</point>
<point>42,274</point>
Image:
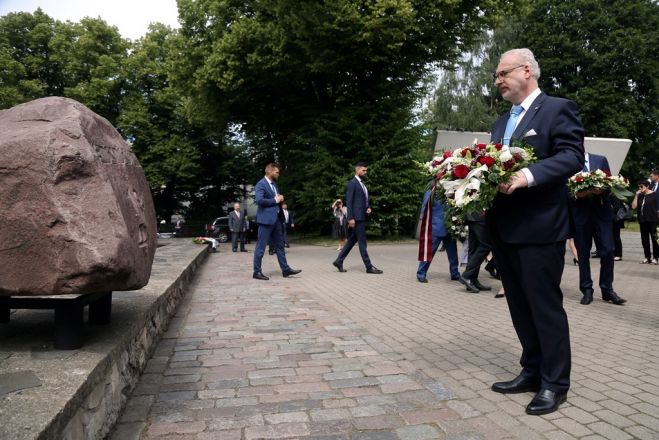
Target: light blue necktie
<point>512,121</point>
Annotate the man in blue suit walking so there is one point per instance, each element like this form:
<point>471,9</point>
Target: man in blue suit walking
<point>529,224</point>
<point>268,214</point>
<point>358,211</point>
<point>592,215</point>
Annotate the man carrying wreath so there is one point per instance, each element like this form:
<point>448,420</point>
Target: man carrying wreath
<point>530,223</point>
<point>592,215</point>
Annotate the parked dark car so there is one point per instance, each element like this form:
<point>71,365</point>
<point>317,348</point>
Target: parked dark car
<point>219,228</point>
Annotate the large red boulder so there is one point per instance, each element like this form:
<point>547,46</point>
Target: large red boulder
<point>76,213</point>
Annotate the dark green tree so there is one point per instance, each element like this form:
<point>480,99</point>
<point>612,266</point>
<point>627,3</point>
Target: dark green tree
<point>45,57</point>
<point>465,97</point>
<point>318,86</point>
<point>602,54</point>
<point>190,169</point>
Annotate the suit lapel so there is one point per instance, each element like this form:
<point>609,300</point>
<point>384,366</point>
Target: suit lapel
<point>528,117</point>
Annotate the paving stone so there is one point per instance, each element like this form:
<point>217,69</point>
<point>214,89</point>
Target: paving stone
<point>378,422</point>
<point>288,417</point>
<point>609,431</point>
<point>230,434</point>
<point>176,396</point>
<point>324,415</point>
<point>440,391</point>
<point>159,429</point>
<point>429,416</point>
<point>127,431</point>
<point>282,430</point>
<point>367,411</point>
<point>419,432</point>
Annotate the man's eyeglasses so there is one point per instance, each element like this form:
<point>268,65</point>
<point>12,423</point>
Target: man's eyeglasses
<point>502,74</point>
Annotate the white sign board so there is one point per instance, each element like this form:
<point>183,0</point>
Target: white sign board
<point>615,150</point>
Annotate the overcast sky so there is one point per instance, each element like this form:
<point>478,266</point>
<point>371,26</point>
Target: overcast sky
<point>132,17</point>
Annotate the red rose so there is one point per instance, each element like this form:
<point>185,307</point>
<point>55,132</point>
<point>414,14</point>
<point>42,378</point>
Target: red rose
<point>436,163</point>
<point>508,165</point>
<point>579,179</point>
<point>461,171</point>
<point>608,173</point>
<point>498,146</point>
<point>481,146</point>
<point>486,160</point>
<point>518,157</point>
<point>447,154</point>
<point>464,152</point>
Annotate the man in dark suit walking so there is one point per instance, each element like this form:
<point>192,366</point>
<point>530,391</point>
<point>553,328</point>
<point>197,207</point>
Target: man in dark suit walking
<point>238,228</point>
<point>268,200</point>
<point>592,215</point>
<point>358,211</point>
<point>530,223</point>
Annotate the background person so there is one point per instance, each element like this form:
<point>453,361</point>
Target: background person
<point>358,210</point>
<point>339,228</point>
<point>654,180</point>
<point>238,228</point>
<point>268,200</point>
<point>646,205</point>
<point>287,223</point>
<point>592,216</point>
<point>480,245</point>
<point>440,235</point>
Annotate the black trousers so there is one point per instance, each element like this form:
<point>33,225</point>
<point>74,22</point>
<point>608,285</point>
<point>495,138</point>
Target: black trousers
<point>649,235</point>
<point>480,244</point>
<point>531,276</point>
<point>358,236</point>
<point>237,237</point>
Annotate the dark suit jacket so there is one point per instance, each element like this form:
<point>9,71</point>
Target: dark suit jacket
<point>291,220</point>
<point>237,224</point>
<point>596,208</point>
<point>356,201</point>
<point>540,214</point>
<point>268,208</point>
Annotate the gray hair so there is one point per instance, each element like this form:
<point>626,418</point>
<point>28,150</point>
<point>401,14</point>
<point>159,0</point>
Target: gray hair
<point>526,57</point>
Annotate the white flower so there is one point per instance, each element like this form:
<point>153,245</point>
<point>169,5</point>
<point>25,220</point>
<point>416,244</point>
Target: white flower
<point>505,155</point>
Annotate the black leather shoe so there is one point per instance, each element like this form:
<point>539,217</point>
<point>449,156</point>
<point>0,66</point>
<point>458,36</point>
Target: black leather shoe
<point>614,298</point>
<point>243,250</point>
<point>455,278</point>
<point>477,284</point>
<point>374,270</point>
<point>587,297</point>
<point>271,252</point>
<point>260,276</point>
<point>545,402</point>
<point>470,287</point>
<point>289,272</point>
<point>422,280</point>
<point>339,266</point>
<point>520,384</point>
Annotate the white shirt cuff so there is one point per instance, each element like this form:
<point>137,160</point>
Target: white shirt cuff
<point>529,177</point>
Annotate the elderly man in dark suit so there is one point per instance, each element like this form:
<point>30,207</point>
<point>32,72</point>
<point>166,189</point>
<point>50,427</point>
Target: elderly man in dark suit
<point>358,211</point>
<point>238,228</point>
<point>268,200</point>
<point>530,224</point>
<point>592,215</point>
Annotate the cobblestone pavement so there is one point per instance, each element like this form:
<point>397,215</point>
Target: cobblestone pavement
<point>328,355</point>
